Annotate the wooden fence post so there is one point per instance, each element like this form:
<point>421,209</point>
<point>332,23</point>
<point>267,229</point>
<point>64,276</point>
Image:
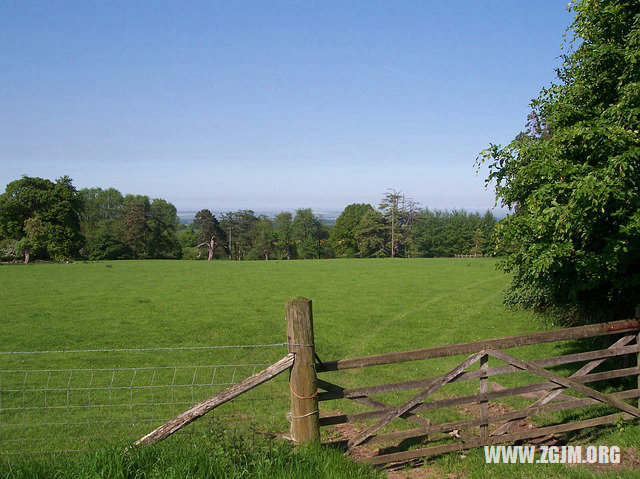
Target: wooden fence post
<point>303,384</point>
<point>484,389</point>
<point>637,315</point>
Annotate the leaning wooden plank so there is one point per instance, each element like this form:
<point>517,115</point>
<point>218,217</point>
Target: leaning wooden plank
<point>468,423</point>
<point>587,331</point>
<point>216,400</point>
<point>551,395</point>
<point>485,441</point>
<point>388,417</point>
<point>570,383</point>
<point>374,403</point>
<point>417,383</point>
<point>457,401</point>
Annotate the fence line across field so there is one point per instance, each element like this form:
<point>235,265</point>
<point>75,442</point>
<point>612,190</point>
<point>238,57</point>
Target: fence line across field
<point>53,409</point>
<point>177,348</point>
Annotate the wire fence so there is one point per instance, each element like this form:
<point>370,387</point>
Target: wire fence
<point>77,408</point>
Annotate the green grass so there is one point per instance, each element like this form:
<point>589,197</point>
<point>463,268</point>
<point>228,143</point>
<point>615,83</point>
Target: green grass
<point>360,307</point>
<point>218,453</point>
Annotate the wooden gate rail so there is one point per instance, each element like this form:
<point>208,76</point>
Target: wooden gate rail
<point>484,441</point>
<point>550,397</point>
<point>547,362</point>
<point>474,398</point>
<point>497,418</point>
<point>577,332</point>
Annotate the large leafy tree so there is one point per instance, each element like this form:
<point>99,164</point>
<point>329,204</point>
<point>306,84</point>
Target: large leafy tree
<point>400,213</point>
<point>265,237</point>
<point>343,234</point>
<point>163,226</point>
<point>101,223</point>
<point>239,227</point>
<point>42,217</point>
<point>284,235</point>
<point>136,230</point>
<point>372,235</point>
<point>307,233</point>
<point>573,179</point>
<point>211,235</point>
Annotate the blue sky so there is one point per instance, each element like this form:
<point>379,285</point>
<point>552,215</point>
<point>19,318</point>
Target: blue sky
<point>271,105</point>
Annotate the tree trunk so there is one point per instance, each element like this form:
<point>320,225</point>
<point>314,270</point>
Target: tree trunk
<point>210,249</point>
<point>26,256</point>
<point>288,252</point>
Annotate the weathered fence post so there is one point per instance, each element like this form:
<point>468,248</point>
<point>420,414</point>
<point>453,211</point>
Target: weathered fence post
<point>305,423</point>
<point>637,315</point>
<point>484,389</point>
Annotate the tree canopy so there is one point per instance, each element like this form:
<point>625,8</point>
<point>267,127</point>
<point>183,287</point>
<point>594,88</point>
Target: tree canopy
<point>343,233</point>
<point>573,179</point>
<point>42,217</point>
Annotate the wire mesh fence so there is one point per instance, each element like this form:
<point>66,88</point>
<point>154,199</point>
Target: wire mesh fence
<point>77,408</point>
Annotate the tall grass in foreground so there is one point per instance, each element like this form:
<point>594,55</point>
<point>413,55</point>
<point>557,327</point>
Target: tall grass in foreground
<point>219,453</point>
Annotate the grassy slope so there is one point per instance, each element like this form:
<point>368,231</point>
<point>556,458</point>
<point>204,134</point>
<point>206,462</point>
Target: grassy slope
<point>360,307</point>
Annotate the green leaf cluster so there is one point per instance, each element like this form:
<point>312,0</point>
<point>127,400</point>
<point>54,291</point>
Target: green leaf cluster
<point>573,179</point>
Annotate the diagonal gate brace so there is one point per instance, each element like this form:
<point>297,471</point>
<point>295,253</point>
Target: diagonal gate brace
<point>551,395</point>
<point>432,387</point>
<point>566,382</point>
<point>371,402</point>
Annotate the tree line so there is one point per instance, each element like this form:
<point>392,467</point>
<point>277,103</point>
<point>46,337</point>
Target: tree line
<point>51,220</point>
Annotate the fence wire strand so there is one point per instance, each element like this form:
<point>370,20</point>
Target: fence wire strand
<point>75,409</point>
<point>177,348</point>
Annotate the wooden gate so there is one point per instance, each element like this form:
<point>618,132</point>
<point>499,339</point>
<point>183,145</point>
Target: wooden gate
<point>489,426</point>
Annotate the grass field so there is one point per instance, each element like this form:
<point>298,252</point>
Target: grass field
<point>360,307</point>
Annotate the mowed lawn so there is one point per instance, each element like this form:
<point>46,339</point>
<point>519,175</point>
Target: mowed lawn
<point>360,307</point>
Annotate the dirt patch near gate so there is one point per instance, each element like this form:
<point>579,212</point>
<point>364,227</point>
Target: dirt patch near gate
<point>341,433</point>
<point>495,408</point>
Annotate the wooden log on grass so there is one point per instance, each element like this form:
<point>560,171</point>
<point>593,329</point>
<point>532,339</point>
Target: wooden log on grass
<point>216,400</point>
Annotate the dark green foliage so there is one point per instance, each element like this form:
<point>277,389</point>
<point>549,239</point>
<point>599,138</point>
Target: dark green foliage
<point>107,246</point>
<point>136,226</point>
<point>133,226</point>
<point>573,179</point>
<point>163,228</point>
<point>265,237</point>
<point>400,213</point>
<point>101,222</point>
<point>239,228</point>
<point>189,239</point>
<point>210,234</point>
<point>307,234</point>
<point>447,233</point>
<point>343,234</point>
<point>283,229</point>
<point>372,235</point>
<point>42,217</point>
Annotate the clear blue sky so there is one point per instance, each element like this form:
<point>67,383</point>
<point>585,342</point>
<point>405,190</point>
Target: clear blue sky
<point>270,105</point>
